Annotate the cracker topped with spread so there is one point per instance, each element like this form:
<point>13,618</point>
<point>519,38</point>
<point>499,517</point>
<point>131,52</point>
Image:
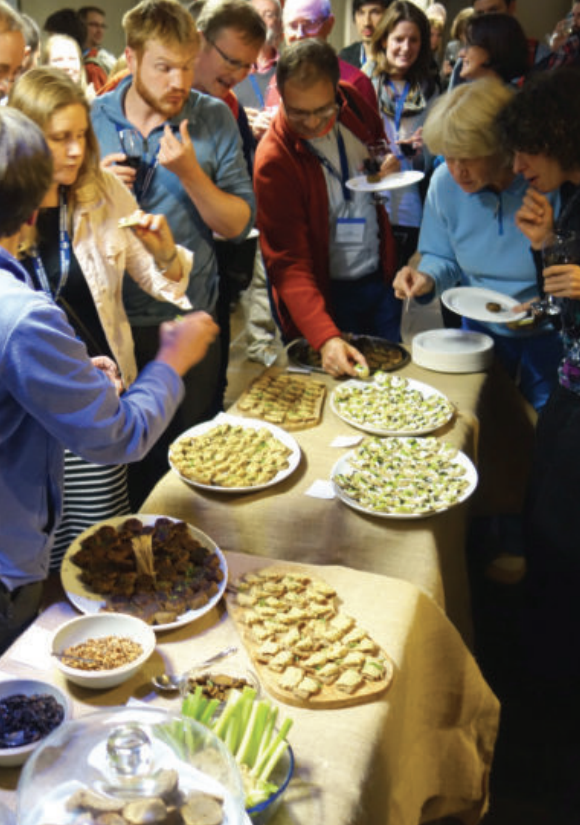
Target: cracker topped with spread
<point>306,651</point>
<point>290,401</point>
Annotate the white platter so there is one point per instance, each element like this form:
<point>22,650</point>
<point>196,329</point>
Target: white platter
<point>453,350</point>
<point>397,180</point>
<point>426,390</point>
<point>247,424</point>
<point>343,466</point>
<point>88,602</point>
<point>470,301</point>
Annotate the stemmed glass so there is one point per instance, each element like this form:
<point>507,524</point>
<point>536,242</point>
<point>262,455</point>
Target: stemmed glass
<point>132,143</point>
<point>560,247</point>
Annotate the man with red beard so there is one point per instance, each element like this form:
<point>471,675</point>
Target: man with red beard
<point>329,251</point>
<point>191,169</point>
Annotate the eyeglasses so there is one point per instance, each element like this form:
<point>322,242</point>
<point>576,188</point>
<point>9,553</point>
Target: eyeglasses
<point>236,65</point>
<point>97,25</point>
<point>309,27</point>
<point>300,115</point>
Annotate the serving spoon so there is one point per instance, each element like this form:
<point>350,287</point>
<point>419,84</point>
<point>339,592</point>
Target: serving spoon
<point>171,682</point>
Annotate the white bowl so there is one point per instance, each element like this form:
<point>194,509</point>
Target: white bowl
<point>96,626</point>
<point>11,757</point>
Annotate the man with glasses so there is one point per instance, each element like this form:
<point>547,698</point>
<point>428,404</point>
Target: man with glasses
<point>194,173</point>
<point>12,48</point>
<point>329,251</point>
<point>94,19</point>
<point>314,18</point>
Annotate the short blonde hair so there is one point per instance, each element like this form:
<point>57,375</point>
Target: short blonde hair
<point>164,20</point>
<point>462,123</point>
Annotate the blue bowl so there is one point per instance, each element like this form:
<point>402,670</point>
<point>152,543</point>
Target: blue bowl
<point>282,775</point>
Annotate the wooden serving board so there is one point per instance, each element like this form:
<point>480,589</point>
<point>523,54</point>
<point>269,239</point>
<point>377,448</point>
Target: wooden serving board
<point>244,617</point>
<point>279,397</point>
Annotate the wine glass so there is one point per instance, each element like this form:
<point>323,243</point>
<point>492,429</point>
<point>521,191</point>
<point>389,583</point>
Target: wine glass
<point>132,143</point>
<point>559,247</point>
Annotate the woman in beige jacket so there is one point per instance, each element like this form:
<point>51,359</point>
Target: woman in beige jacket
<point>78,253</point>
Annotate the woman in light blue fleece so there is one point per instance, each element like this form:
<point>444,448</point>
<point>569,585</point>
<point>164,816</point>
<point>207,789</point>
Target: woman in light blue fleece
<point>468,233</point>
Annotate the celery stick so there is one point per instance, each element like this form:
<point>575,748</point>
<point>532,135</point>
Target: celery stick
<point>253,734</point>
<point>268,733</point>
<point>209,711</point>
<point>221,723</point>
<point>264,767</point>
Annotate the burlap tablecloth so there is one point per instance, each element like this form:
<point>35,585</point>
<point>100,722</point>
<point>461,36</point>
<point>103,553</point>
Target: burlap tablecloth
<point>423,750</point>
<point>283,522</point>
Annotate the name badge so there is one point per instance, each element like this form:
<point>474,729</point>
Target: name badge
<point>350,230</point>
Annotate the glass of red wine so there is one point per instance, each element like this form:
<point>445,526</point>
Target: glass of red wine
<point>132,143</point>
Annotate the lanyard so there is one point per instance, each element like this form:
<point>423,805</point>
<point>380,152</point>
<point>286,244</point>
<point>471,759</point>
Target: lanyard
<point>341,176</point>
<point>400,100</point>
<point>63,249</point>
<point>257,91</point>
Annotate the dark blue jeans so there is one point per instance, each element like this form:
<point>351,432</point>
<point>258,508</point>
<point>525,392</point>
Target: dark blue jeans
<point>367,306</point>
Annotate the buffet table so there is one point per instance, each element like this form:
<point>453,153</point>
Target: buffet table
<point>423,750</point>
<point>285,522</point>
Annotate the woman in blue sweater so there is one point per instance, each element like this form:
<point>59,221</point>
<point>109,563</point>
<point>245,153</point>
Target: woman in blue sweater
<point>469,234</point>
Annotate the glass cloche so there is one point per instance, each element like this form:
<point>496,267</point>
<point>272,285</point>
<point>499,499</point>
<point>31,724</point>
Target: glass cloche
<point>131,766</point>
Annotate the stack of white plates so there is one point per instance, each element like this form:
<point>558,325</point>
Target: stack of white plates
<point>453,350</point>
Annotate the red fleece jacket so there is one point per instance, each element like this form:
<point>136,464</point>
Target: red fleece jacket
<point>293,219</point>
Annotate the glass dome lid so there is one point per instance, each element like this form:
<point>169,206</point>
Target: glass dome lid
<point>131,766</point>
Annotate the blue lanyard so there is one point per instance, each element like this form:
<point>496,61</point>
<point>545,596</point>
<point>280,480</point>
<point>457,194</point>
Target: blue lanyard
<point>63,249</point>
<point>400,100</point>
<point>257,90</point>
<point>341,176</point>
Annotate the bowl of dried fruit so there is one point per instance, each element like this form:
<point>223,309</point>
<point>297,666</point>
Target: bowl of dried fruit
<point>102,650</point>
<point>29,711</point>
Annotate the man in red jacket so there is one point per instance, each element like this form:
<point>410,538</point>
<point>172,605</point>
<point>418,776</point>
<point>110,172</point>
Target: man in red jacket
<point>329,251</point>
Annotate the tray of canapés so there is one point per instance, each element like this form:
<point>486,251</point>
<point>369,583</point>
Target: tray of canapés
<point>391,405</point>
<point>404,478</point>
<point>379,353</point>
<point>306,650</point>
<point>293,402</point>
<point>232,454</point>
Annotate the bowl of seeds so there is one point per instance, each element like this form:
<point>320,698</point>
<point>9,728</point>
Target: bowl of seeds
<point>102,650</point>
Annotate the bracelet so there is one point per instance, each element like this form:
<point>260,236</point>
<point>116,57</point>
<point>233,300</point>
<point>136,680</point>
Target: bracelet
<point>167,264</point>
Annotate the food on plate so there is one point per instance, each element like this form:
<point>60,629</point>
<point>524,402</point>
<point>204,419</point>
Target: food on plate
<point>379,353</point>
<point>308,651</point>
<point>230,455</point>
<point>171,805</point>
<point>291,401</point>
<point>391,404</point>
<point>25,719</point>
<point>493,306</point>
<point>104,653</point>
<point>404,475</point>
<point>185,574</point>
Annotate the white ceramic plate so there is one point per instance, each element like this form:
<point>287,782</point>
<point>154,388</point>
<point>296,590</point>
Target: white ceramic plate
<point>343,466</point>
<point>426,390</point>
<point>470,301</point>
<point>88,602</point>
<point>395,181</point>
<point>453,350</point>
<point>247,424</point>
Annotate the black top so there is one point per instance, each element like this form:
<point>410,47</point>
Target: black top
<point>75,298</point>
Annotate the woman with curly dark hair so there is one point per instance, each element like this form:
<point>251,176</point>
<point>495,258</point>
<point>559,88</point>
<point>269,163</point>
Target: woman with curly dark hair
<point>400,70</point>
<point>541,126</point>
